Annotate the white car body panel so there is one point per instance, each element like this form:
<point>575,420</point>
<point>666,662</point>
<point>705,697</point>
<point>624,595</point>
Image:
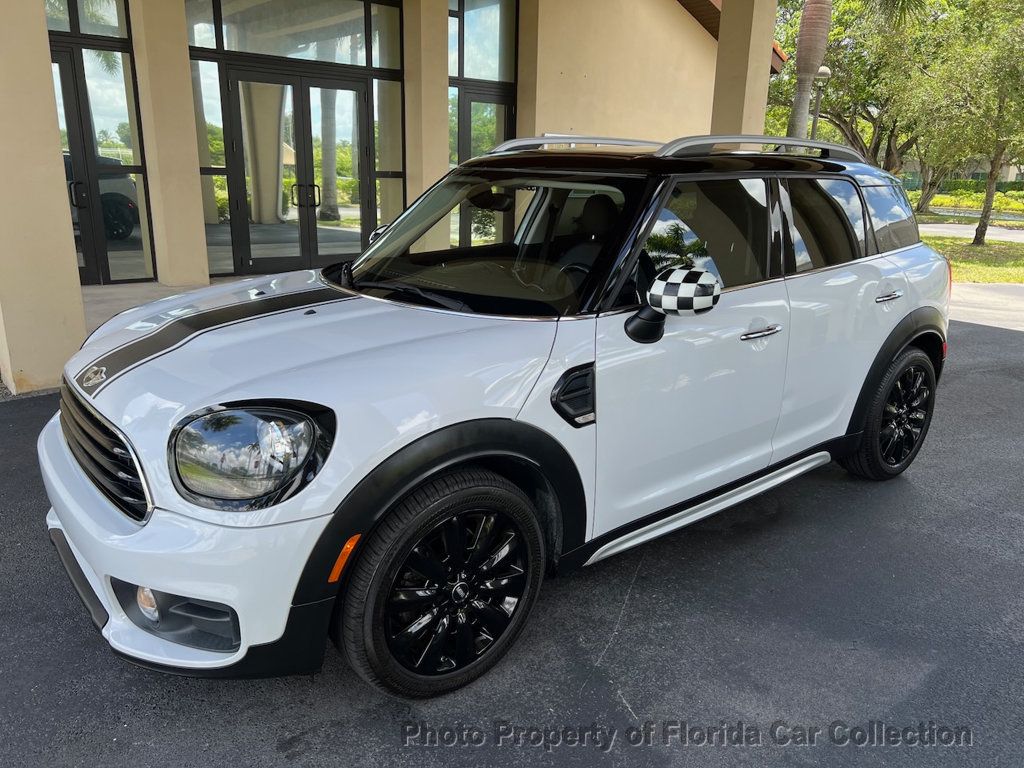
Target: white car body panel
<point>836,330</point>
<point>691,412</point>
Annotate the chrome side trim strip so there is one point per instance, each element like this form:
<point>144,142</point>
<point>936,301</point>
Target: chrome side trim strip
<point>711,506</point>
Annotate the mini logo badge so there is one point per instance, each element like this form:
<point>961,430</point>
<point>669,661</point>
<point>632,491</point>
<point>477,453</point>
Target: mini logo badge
<point>94,377</point>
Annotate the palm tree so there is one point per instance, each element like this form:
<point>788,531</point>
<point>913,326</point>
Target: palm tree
<point>815,22</point>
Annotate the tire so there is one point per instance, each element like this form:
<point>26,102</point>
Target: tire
<point>477,539</point>
<point>897,419</point>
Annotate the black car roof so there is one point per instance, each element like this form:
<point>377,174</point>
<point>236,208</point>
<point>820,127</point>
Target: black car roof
<point>647,163</point>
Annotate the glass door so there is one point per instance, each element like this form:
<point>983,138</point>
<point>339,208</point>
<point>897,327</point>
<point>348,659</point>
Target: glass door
<point>484,120</point>
<point>103,167</point>
<point>297,170</point>
<point>343,202</point>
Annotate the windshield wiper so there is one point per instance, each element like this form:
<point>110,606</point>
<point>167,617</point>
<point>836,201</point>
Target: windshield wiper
<point>437,298</point>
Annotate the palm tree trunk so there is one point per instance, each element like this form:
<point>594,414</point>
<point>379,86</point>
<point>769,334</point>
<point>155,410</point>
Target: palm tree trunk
<point>328,155</point>
<point>815,21</point>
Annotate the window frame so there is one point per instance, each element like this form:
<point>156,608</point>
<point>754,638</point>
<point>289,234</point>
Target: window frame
<point>870,248</point>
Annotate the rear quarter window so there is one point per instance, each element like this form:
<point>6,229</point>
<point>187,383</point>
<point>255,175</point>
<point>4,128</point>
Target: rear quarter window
<point>892,217</point>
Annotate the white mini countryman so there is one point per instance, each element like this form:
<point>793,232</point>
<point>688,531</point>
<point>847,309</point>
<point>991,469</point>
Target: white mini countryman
<point>395,452</point>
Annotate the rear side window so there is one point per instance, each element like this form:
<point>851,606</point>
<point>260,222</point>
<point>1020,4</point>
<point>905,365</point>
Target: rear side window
<point>891,217</point>
<point>825,223</point>
<point>718,226</point>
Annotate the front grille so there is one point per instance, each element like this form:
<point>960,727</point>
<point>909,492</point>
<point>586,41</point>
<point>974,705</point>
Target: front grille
<point>103,455</point>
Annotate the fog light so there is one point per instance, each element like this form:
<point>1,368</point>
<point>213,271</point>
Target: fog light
<point>146,601</point>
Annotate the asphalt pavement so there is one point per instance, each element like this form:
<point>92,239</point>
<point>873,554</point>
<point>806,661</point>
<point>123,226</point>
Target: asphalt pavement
<point>829,600</point>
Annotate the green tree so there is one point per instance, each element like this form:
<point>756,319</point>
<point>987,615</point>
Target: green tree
<point>124,134</point>
<point>812,39</point>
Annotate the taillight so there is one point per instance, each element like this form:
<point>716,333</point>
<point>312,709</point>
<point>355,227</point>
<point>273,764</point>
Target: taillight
<point>945,349</point>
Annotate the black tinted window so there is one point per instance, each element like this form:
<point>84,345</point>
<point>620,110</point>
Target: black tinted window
<point>717,226</point>
<point>826,223</point>
<point>892,218</point>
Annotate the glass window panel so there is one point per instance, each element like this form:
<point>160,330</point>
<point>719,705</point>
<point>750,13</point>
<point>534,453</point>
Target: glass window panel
<point>268,141</point>
<point>387,39</point>
<point>217,218</point>
<point>199,18</point>
<point>818,234</point>
<point>490,39</point>
<point>453,5</point>
<point>112,106</point>
<point>694,232</point>
<point>892,217</point>
<point>65,147</point>
<point>321,30</point>
<point>102,17</point>
<point>387,128</point>
<point>453,127</point>
<point>126,226</point>
<point>334,120</point>
<point>487,126</point>
<point>390,199</point>
<point>453,46</point>
<point>209,121</point>
<point>57,15</point>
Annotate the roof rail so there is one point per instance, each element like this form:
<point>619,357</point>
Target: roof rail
<point>696,145</point>
<point>536,142</point>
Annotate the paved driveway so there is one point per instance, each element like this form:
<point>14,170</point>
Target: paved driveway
<point>826,600</point>
<point>967,230</point>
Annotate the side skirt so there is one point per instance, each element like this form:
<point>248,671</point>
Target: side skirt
<point>681,515</point>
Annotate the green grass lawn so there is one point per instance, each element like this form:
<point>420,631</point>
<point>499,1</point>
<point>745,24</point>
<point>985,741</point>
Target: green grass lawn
<point>943,218</point>
<point>994,262</point>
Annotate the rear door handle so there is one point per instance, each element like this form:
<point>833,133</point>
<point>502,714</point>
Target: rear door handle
<point>770,330</point>
<point>888,297</point>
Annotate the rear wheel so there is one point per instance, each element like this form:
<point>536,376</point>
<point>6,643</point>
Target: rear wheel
<point>445,585</point>
<point>898,418</point>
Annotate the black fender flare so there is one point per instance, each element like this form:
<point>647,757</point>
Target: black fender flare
<point>922,321</point>
<point>479,440</point>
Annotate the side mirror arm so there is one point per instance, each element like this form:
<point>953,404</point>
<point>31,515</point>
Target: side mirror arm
<point>646,326</point>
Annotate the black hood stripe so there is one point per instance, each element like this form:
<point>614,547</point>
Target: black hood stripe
<point>98,374</point>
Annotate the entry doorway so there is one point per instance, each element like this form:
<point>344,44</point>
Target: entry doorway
<point>103,164</point>
<point>299,170</point>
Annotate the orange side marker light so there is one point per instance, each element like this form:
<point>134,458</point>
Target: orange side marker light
<point>339,564</point>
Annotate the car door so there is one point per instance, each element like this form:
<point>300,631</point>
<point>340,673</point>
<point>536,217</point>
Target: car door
<point>695,410</point>
<point>843,304</point>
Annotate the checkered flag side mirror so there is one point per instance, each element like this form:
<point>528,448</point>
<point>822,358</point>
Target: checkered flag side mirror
<point>684,292</point>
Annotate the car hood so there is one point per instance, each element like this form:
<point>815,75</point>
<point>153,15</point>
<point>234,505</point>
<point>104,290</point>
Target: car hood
<point>391,372</point>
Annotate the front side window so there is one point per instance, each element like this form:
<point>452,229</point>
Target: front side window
<point>892,218</point>
<point>719,226</point>
<point>539,244</point>
<point>825,223</point>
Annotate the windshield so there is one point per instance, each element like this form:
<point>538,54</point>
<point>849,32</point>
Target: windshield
<point>501,242</point>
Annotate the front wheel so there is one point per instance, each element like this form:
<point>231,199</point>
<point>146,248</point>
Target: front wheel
<point>444,586</point>
<point>898,418</point>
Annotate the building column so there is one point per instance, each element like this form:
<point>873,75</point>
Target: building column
<point>160,43</point>
<point>426,93</point>
<point>41,317</point>
<point>745,39</point>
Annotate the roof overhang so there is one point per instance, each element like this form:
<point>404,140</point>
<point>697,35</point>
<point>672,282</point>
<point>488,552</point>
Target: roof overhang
<point>708,14</point>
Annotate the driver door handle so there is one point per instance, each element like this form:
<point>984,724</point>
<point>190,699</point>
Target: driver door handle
<point>888,297</point>
<point>769,330</point>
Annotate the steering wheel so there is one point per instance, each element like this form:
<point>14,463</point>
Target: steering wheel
<point>577,267</point>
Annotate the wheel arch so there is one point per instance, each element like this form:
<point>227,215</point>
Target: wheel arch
<point>924,328</point>
<point>527,456</point>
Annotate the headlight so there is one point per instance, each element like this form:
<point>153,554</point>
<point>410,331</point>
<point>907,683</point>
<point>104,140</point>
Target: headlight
<point>244,454</point>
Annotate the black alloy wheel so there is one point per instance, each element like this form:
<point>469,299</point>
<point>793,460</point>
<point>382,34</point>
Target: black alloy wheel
<point>443,585</point>
<point>897,419</point>
<point>456,593</point>
<point>904,416</point>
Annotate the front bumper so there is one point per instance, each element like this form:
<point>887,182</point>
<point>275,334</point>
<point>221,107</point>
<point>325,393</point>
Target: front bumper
<point>253,570</point>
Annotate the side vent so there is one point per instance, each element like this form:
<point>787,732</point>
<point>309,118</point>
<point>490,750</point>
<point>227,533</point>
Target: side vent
<point>574,397</point>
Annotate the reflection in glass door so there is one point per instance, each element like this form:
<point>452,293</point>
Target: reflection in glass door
<point>301,153</point>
